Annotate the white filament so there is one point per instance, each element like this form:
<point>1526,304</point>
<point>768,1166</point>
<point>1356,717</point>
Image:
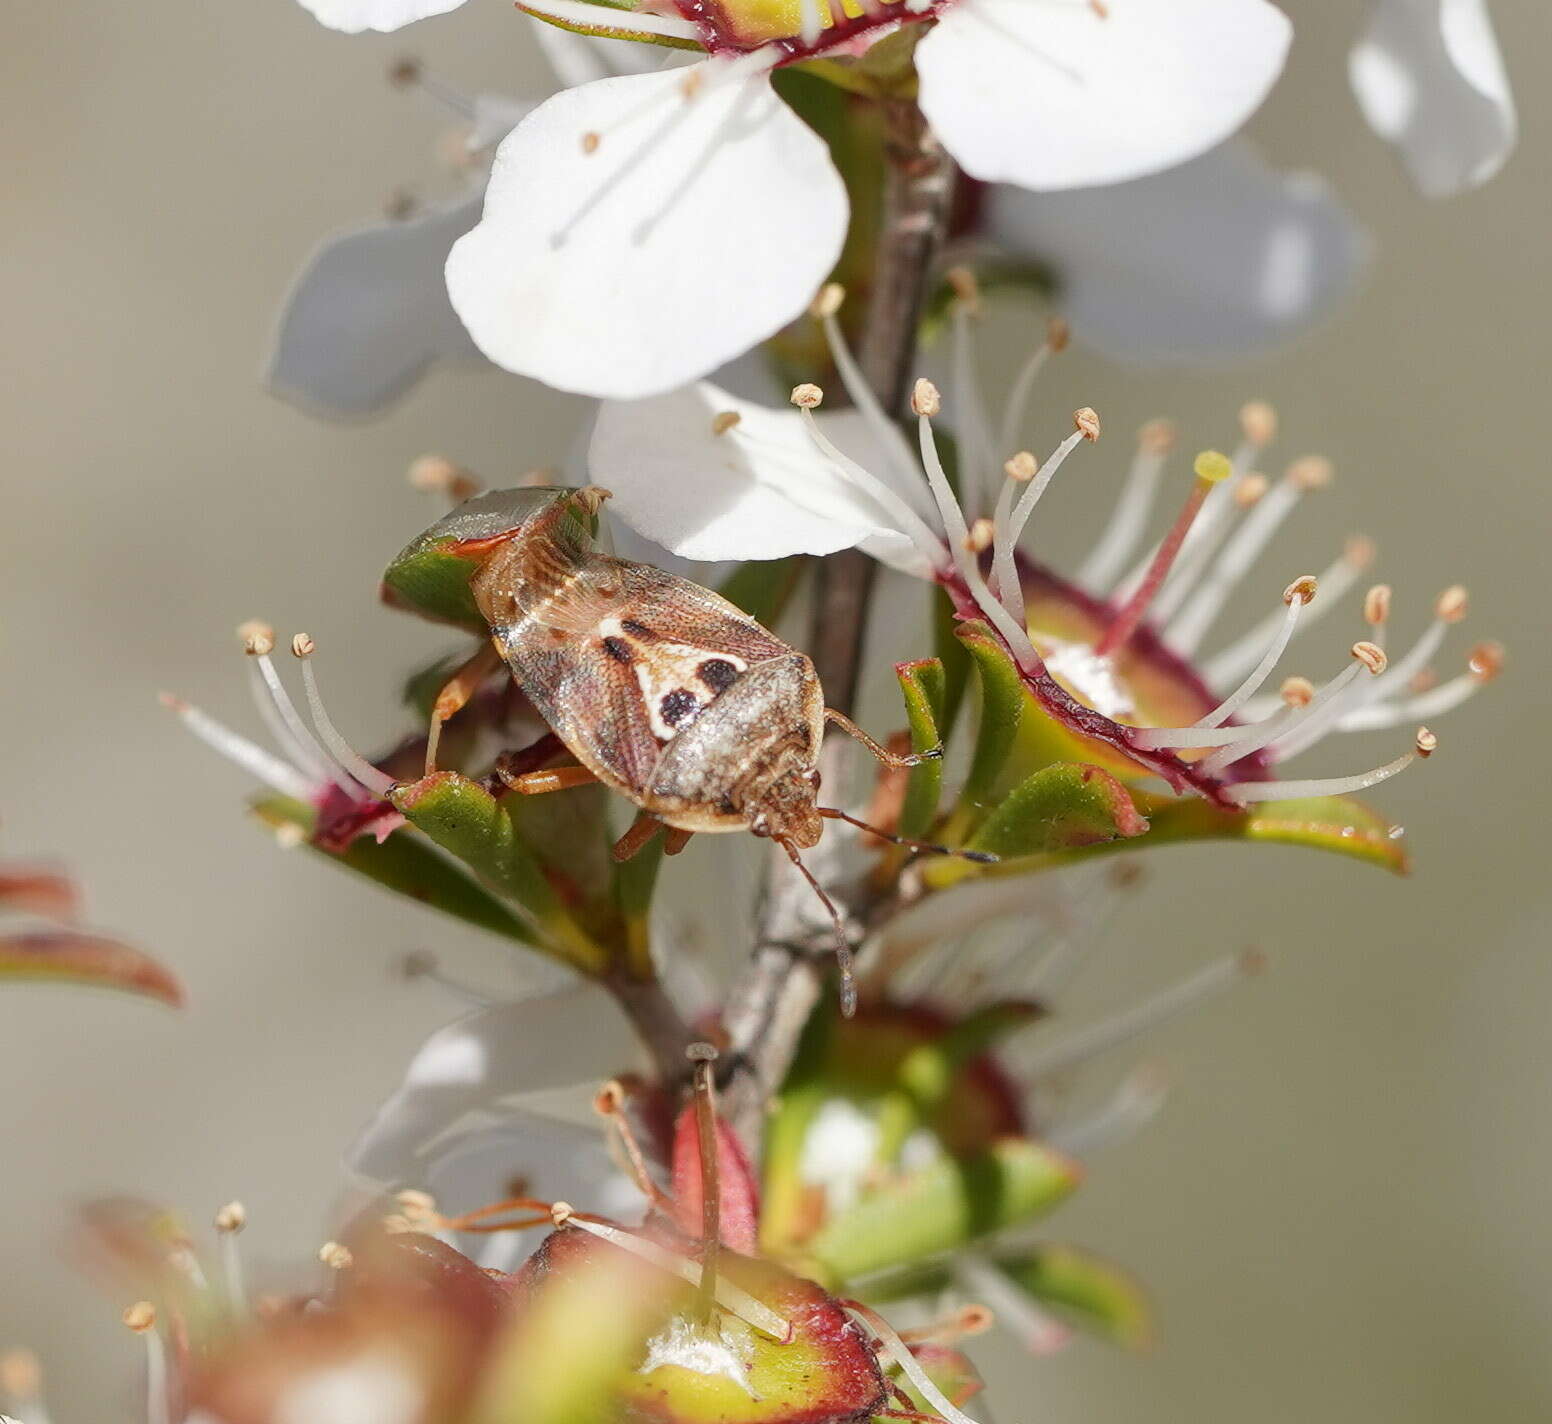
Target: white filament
<point>1292,719</point>
<point>347,756</point>
<point>910,1366</point>
<point>1109,1033</point>
<point>1009,524</point>
<point>730,1297</point>
<point>894,507</point>
<point>897,449</point>
<point>1248,791</point>
<point>278,775</point>
<point>1132,1107</point>
<point>1422,708</point>
<point>1104,564</point>
<point>290,731</point>
<point>1040,1332</point>
<point>1011,628</point>
<point>1236,560</point>
<point>1243,652</point>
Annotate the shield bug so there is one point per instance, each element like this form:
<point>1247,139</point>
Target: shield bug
<point>658,687</point>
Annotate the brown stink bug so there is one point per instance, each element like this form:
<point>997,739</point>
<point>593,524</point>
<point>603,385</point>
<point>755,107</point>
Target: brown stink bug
<point>657,686</point>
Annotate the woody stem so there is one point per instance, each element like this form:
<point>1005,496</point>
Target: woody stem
<point>771,1002</point>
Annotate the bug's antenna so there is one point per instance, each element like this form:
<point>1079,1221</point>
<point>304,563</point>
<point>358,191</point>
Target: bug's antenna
<point>843,955</point>
<point>981,857</point>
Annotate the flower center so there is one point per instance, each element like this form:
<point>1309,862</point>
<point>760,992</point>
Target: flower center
<point>799,28</point>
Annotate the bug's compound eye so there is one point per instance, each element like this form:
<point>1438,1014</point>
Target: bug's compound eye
<point>759,826</point>
<point>815,779</point>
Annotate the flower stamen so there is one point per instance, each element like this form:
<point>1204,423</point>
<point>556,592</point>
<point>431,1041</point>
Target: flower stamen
<point>1211,470</point>
<point>350,760</point>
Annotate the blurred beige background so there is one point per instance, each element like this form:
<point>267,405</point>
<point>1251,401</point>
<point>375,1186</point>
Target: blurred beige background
<point>1342,1213</point>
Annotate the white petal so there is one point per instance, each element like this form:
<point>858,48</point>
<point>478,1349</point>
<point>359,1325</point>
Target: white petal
<point>1429,78</point>
<point>1218,257</point>
<point>1050,94</point>
<point>475,1068</point>
<point>353,16</point>
<point>370,313</point>
<point>697,228</point>
<point>760,490</point>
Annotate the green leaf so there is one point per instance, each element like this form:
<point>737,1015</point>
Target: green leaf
<point>1063,808</point>
<point>763,588</point>
<point>1088,1290</point>
<point>472,825</point>
<point>408,866</point>
<point>1004,701</point>
<point>88,960</point>
<point>944,1205</point>
<point>1334,823</point>
<point>922,686</point>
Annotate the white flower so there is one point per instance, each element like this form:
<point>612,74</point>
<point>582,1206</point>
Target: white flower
<point>1218,257</point>
<point>640,231</point>
<point>1429,78</point>
<point>481,1113</point>
<point>369,314</point>
<point>1107,652</point>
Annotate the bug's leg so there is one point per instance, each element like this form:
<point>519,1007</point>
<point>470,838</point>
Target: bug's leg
<point>981,857</point>
<point>456,692</point>
<point>889,758</point>
<point>675,840</point>
<point>540,783</point>
<point>637,838</point>
<point>843,953</point>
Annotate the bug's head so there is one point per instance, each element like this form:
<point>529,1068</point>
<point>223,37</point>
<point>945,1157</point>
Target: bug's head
<point>433,575</point>
<point>787,809</point>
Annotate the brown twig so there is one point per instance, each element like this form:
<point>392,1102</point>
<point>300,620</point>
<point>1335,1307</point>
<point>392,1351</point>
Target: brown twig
<point>772,1000</point>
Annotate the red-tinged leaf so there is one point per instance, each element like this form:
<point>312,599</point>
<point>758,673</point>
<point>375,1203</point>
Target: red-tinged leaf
<point>33,890</point>
<point>738,1208</point>
<point>68,957</point>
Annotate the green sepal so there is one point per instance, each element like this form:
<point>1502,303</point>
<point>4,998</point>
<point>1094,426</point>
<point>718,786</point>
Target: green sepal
<point>1088,1291</point>
<point>954,656</point>
<point>613,32</point>
<point>763,587</point>
<point>431,577</point>
<point>1004,701</point>
<point>943,1206</point>
<point>406,865</point>
<point>1065,808</point>
<point>470,824</point>
<point>922,684</point>
<point>1333,823</point>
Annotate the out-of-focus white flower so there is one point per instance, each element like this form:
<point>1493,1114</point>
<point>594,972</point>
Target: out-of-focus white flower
<point>475,1119</point>
<point>639,231</point>
<point>1217,257</point>
<point>1430,79</point>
